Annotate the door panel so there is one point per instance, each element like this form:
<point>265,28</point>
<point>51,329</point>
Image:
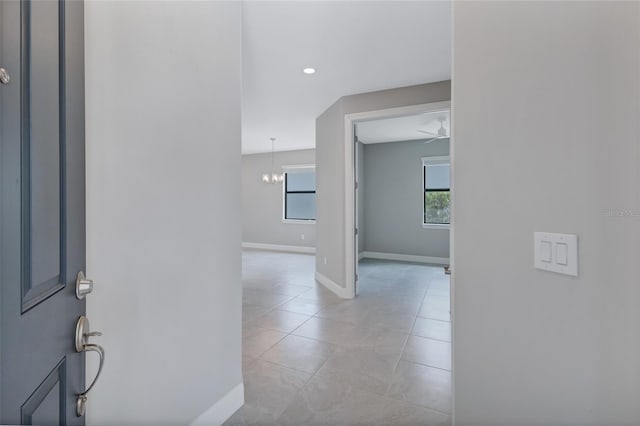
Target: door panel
<point>41,138</point>
<point>45,406</point>
<point>42,134</point>
<point>356,209</point>
<point>42,210</point>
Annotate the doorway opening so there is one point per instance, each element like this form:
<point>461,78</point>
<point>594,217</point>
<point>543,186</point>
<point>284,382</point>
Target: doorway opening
<point>397,187</point>
<point>398,253</point>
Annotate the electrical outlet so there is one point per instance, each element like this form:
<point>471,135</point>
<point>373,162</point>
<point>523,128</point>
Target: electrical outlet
<point>302,236</point>
<point>325,260</point>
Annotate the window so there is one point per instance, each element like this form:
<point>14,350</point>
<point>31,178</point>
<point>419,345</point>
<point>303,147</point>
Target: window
<point>437,211</point>
<point>300,193</point>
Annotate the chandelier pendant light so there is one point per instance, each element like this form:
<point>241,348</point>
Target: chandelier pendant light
<point>272,177</point>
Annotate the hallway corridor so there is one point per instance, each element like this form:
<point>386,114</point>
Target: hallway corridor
<point>312,358</point>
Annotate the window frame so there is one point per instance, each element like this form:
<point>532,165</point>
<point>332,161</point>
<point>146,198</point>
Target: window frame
<point>428,161</point>
<point>293,169</point>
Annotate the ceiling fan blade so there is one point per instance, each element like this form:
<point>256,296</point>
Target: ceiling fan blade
<point>427,133</point>
<point>437,138</point>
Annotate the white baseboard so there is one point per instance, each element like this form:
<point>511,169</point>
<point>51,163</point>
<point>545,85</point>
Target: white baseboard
<point>406,258</point>
<point>278,247</point>
<point>361,255</point>
<point>332,286</point>
<point>223,409</point>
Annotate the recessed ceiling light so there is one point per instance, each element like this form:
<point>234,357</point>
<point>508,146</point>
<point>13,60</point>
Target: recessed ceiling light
<point>309,70</point>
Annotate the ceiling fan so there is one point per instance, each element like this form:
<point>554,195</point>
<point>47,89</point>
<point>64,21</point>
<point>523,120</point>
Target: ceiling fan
<point>442,132</point>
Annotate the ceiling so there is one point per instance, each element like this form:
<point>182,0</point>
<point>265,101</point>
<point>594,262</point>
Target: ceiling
<point>356,47</point>
<point>400,129</point>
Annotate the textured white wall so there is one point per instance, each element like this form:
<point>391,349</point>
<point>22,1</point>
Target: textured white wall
<point>546,138</point>
<point>163,207</point>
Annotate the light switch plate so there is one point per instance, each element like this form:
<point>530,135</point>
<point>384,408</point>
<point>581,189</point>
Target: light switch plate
<point>564,252</point>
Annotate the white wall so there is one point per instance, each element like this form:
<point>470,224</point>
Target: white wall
<point>546,110</point>
<point>331,168</point>
<point>262,203</point>
<point>163,86</point>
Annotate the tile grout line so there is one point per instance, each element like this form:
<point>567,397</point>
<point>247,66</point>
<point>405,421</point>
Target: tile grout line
<point>415,318</point>
<point>430,338</point>
<point>311,375</point>
<point>426,365</point>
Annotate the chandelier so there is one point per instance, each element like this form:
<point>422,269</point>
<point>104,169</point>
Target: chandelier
<point>272,177</point>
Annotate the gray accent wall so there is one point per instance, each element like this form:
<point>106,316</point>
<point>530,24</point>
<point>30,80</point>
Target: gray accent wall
<point>262,204</point>
<point>393,199</point>
<point>331,167</point>
<point>546,108</point>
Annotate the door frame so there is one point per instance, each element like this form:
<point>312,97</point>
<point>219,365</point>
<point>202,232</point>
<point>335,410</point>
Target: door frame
<point>350,178</point>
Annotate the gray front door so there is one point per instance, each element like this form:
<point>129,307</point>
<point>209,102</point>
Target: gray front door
<point>42,210</point>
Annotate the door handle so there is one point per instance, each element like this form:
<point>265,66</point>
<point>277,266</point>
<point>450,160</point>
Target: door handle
<point>82,345</point>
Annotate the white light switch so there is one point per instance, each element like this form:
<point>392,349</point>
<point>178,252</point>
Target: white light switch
<point>556,252</point>
<point>562,252</point>
<point>545,251</point>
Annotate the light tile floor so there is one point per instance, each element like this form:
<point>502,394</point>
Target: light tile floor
<point>312,358</point>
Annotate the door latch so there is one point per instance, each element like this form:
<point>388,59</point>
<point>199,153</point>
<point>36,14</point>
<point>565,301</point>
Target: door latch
<point>84,286</point>
<point>4,76</point>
